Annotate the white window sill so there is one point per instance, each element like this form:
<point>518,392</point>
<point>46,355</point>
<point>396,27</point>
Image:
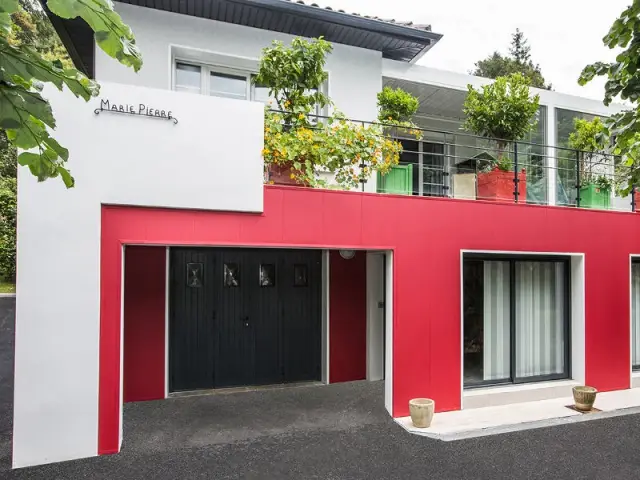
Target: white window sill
<point>511,394</point>
<point>520,387</point>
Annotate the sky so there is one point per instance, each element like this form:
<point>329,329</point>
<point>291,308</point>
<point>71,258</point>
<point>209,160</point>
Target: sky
<point>564,35</point>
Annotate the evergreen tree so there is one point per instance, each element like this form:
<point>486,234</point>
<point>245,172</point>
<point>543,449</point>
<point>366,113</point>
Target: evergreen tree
<point>518,61</point>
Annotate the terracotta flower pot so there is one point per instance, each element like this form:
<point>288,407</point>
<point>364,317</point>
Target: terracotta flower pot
<point>584,397</point>
<point>497,186</point>
<point>280,174</point>
<point>421,410</point>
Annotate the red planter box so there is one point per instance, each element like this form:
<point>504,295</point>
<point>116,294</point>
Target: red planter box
<point>281,174</point>
<point>497,186</point>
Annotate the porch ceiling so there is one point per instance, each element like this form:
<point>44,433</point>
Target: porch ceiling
<point>435,101</point>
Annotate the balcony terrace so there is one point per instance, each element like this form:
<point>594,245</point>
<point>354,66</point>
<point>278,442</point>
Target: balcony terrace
<point>458,165</point>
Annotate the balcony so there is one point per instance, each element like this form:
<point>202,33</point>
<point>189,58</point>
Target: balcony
<point>458,165</point>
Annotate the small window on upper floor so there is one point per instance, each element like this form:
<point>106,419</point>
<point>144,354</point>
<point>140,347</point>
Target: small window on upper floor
<point>188,78</point>
<point>229,86</point>
<point>225,82</point>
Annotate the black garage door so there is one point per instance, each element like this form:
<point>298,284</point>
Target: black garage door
<point>243,317</point>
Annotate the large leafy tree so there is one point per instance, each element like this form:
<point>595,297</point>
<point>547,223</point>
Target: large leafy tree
<point>518,61</point>
<point>25,116</point>
<point>623,81</point>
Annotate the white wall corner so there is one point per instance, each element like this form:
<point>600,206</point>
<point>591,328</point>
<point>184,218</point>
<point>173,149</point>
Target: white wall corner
<point>388,365</point>
<point>375,316</point>
<point>578,372</point>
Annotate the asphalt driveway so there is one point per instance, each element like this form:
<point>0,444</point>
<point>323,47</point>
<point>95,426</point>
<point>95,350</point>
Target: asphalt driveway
<point>326,432</point>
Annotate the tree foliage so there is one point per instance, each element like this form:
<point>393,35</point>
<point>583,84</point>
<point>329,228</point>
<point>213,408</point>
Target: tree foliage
<point>8,209</point>
<point>518,61</point>
<point>396,105</point>
<point>25,115</point>
<point>304,146</point>
<point>503,110</point>
<point>295,75</point>
<point>623,80</point>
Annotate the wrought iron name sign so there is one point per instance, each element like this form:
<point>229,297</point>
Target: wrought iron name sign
<point>141,109</point>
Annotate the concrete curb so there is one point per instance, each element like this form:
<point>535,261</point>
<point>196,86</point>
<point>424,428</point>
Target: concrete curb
<point>484,432</point>
<point>7,295</point>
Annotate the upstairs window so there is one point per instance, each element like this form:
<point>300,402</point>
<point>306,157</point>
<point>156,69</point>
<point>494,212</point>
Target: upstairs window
<point>223,82</point>
<point>188,78</point>
<point>228,86</point>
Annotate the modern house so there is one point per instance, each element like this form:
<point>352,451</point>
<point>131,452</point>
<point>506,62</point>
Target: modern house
<point>172,267</point>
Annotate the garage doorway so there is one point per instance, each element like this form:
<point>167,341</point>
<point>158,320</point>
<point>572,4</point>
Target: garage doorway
<point>240,317</point>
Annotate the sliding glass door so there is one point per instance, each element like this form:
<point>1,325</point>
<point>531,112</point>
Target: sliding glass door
<point>516,319</point>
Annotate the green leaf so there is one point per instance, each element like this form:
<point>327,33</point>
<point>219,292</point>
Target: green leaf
<point>112,35</point>
<point>68,180</point>
<point>23,65</point>
<point>7,7</point>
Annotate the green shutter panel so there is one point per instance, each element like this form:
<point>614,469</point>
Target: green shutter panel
<point>399,180</point>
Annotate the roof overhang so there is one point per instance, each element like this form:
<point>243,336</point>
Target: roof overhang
<point>396,41</point>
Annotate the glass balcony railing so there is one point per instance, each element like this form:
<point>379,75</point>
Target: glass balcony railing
<point>464,166</point>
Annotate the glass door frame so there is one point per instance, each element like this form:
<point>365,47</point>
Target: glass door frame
<point>566,327</point>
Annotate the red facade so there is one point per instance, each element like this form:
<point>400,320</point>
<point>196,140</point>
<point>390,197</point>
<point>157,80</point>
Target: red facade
<point>427,236</point>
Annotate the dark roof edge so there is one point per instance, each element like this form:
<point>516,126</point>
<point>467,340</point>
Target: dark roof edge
<point>333,16</point>
<point>59,26</point>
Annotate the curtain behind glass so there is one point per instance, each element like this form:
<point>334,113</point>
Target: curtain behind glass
<point>539,323</point>
<point>635,314</point>
<point>496,335</point>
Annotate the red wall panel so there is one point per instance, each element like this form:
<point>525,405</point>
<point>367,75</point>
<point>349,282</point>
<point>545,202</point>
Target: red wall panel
<point>347,317</point>
<point>427,236</point>
<point>144,323</point>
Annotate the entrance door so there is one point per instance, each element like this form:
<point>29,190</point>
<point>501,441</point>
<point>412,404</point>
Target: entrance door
<point>254,317</point>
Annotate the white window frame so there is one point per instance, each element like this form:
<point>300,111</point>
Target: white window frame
<point>205,79</point>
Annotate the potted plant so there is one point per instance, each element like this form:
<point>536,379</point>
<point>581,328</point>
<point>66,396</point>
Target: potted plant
<point>294,76</point>
<point>396,108</point>
<point>421,411</point>
<point>584,398</point>
<point>495,179</point>
<point>299,148</point>
<point>504,112</point>
<point>588,138</point>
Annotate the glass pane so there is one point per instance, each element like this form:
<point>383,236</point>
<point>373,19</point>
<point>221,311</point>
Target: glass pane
<point>566,183</point>
<point>194,275</point>
<point>228,86</point>
<point>267,275</point>
<point>261,94</point>
<point>487,346</point>
<point>540,319</point>
<point>300,275</point>
<point>187,78</point>
<point>635,315</point>
<point>532,158</point>
<point>231,275</point>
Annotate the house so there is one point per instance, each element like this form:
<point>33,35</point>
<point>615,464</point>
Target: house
<point>172,267</point>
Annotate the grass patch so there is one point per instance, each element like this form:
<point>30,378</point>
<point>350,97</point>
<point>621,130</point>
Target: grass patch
<point>7,287</point>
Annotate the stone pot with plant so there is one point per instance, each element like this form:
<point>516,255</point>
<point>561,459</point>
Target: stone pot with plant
<point>584,397</point>
<point>421,411</point>
<point>588,138</point>
<point>503,112</point>
<point>301,149</point>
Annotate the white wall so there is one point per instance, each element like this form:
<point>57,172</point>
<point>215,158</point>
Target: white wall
<point>375,315</point>
<point>206,161</point>
<point>388,351</point>
<point>354,73</point>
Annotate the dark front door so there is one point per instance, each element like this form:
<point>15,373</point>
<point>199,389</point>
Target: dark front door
<point>253,319</point>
